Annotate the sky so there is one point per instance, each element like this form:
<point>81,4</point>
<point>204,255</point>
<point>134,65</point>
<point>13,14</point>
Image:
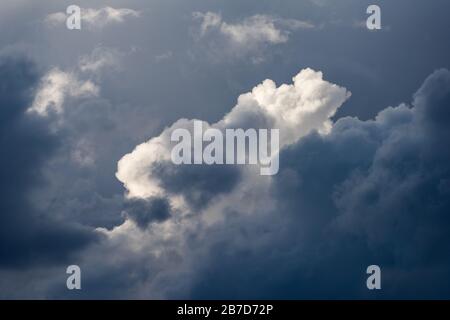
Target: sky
<point>364,167</point>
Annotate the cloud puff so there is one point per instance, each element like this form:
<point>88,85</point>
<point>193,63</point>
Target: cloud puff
<point>252,31</point>
<point>56,86</point>
<point>96,18</point>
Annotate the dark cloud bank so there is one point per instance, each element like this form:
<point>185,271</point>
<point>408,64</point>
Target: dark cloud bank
<point>370,192</point>
<point>27,236</point>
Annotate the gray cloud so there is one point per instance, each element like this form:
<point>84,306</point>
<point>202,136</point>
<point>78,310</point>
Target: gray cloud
<point>252,31</point>
<point>28,236</point>
<point>381,184</point>
<point>146,211</point>
<point>248,37</point>
<point>369,191</point>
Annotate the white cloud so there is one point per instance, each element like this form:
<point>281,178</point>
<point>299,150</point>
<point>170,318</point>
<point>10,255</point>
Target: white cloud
<point>252,31</point>
<point>101,57</point>
<point>296,109</point>
<point>133,169</point>
<point>55,86</point>
<point>95,18</point>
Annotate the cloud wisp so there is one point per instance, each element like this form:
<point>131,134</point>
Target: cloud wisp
<point>95,18</point>
<point>252,33</point>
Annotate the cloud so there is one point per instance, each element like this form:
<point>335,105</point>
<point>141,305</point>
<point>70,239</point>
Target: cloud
<point>359,193</point>
<point>56,18</point>
<point>384,191</point>
<point>405,190</point>
<point>349,194</point>
<point>146,211</point>
<point>164,56</point>
<point>296,109</point>
<point>307,232</point>
<point>96,18</point>
<point>100,58</point>
<point>28,236</point>
<point>56,86</point>
<point>107,15</point>
<point>253,31</point>
<point>198,199</point>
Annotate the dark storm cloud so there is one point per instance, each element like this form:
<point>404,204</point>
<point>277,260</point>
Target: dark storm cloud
<point>199,184</point>
<point>146,211</point>
<point>391,173</point>
<point>27,236</point>
<point>370,192</point>
<point>93,138</point>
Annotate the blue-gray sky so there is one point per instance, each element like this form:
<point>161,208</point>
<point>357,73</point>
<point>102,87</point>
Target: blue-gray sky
<point>373,190</point>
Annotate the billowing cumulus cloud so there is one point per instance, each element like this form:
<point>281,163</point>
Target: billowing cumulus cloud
<point>296,109</point>
<point>362,192</point>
